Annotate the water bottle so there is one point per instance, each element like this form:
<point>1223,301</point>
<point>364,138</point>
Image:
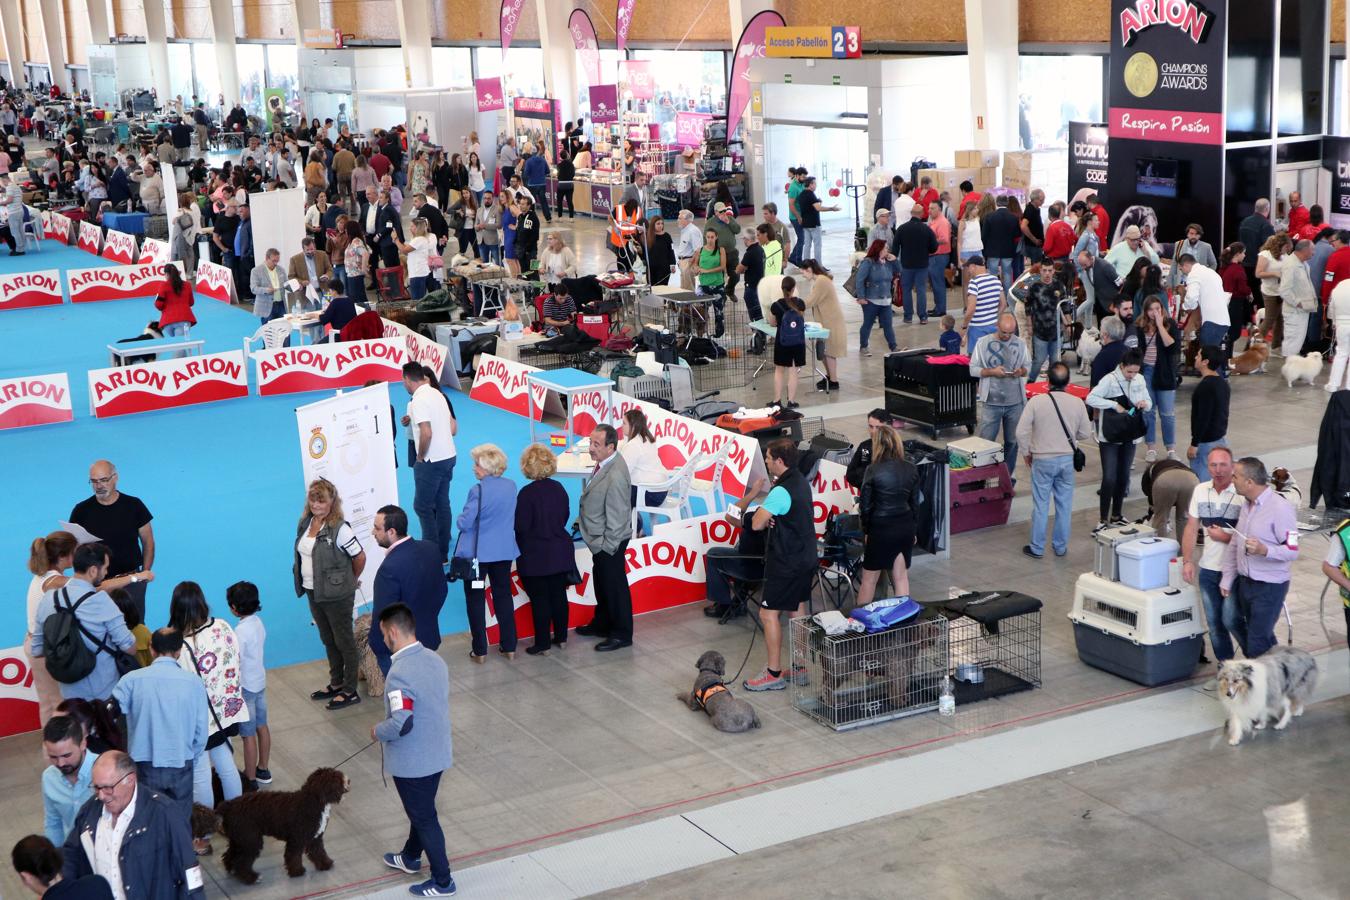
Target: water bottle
<point>947,699</point>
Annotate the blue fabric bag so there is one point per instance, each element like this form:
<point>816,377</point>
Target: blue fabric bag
<point>882,614</point>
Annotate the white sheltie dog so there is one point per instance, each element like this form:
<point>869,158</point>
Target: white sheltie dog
<point>1272,688</point>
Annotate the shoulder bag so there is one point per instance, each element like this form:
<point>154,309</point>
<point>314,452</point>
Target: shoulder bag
<point>462,569</point>
<point>1123,427</point>
<point>1079,457</point>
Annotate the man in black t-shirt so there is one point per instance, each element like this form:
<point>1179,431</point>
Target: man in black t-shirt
<point>123,523</point>
<point>1033,228</point>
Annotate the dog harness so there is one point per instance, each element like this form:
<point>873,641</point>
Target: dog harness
<point>709,691</point>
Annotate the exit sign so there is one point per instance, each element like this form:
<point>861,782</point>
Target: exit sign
<point>787,78</point>
<point>834,79</point>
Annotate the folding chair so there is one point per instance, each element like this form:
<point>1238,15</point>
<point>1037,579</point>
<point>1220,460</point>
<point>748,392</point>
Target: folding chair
<point>272,335</point>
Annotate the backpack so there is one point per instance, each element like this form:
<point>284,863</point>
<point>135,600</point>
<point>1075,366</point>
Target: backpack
<point>68,657</point>
<point>791,329</point>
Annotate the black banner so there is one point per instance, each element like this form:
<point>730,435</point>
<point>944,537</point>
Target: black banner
<point>1336,160</point>
<point>1087,158</point>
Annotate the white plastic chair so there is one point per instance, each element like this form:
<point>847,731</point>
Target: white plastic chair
<point>272,335</point>
<point>32,235</point>
<point>709,490</point>
<point>675,505</point>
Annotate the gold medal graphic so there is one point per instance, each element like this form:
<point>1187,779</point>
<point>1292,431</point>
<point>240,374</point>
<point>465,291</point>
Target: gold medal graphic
<point>1141,74</point>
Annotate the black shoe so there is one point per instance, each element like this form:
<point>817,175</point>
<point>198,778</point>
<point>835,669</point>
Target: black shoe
<point>342,701</point>
<point>263,776</point>
<point>536,650</point>
<point>559,645</point>
<point>612,644</point>
<point>249,785</point>
<point>715,611</point>
<point>590,631</point>
<point>327,693</point>
<point>793,404</point>
<point>1027,551</point>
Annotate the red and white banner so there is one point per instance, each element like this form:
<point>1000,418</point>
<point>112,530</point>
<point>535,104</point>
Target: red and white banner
<point>502,383</point>
<point>90,239</point>
<point>214,281</point>
<point>114,282</point>
<point>831,493</point>
<point>35,400</point>
<point>119,247</point>
<point>153,250</point>
<point>18,698</point>
<point>31,289</point>
<point>60,227</point>
<point>167,383</point>
<point>323,367</point>
<point>45,217</point>
<point>421,349</point>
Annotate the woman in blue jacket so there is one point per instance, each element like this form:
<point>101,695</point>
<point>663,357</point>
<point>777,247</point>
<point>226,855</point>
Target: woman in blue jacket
<point>872,287</point>
<point>487,533</point>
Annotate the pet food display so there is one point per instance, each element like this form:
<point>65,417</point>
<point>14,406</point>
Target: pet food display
<point>1143,564</point>
<point>1109,541</point>
<point>1148,637</point>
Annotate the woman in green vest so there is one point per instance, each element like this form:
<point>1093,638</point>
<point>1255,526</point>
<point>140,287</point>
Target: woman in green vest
<point>712,275</point>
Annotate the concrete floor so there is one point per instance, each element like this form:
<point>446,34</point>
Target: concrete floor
<point>549,751</point>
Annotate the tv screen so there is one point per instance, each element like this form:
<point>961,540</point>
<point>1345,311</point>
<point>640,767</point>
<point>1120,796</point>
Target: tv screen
<point>1157,177</point>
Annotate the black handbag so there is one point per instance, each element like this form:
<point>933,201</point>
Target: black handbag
<point>1122,427</point>
<point>466,569</point>
<point>1079,457</point>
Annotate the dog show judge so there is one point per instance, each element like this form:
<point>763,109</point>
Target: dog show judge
<point>410,574</point>
<point>606,523</point>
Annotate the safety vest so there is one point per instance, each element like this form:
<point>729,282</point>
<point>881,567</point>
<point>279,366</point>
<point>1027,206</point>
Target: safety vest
<point>622,227</point>
<point>1343,532</point>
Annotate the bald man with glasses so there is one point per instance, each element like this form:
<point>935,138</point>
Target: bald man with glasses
<point>123,523</point>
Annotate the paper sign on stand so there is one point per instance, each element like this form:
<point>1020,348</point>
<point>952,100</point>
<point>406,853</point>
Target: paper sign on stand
<point>320,367</point>
<point>35,400</point>
<point>115,282</point>
<point>167,383</point>
<point>153,250</point>
<point>214,281</point>
<point>119,247</point>
<point>91,238</point>
<point>31,289</point>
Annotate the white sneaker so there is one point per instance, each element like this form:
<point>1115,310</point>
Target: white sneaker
<point>866,352</point>
<point>1171,454</point>
<point>1151,456</point>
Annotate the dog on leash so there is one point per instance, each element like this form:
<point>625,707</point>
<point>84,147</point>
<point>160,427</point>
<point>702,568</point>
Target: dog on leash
<point>1268,690</point>
<point>712,695</point>
<point>297,818</point>
<point>1302,368</point>
<point>1252,360</point>
<point>1089,345</point>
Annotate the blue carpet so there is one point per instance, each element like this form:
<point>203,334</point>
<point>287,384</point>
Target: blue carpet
<point>223,481</point>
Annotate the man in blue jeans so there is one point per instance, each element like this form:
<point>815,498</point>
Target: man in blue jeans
<point>1000,360</point>
<point>1050,428</point>
<point>1257,562</point>
<point>912,244</point>
<point>1215,507</point>
<point>433,433</point>
<point>1205,293</point>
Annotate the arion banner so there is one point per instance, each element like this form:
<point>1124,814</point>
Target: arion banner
<point>35,400</point>
<point>586,43</point>
<point>114,282</point>
<point>153,250</point>
<point>26,289</point>
<point>167,383</point>
<point>326,367</point>
<point>119,247</point>
<point>750,46</point>
<point>18,697</point>
<point>214,281</point>
<point>91,238</point>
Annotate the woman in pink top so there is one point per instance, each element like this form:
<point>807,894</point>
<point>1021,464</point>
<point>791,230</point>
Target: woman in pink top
<point>937,261</point>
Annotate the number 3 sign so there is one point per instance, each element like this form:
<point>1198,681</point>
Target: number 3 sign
<point>845,42</point>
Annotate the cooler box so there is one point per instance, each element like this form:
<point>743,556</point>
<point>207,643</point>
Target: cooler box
<point>1109,541</point>
<point>981,496</point>
<point>1143,564</point>
<point>1148,637</point>
<point>127,223</point>
<point>974,451</point>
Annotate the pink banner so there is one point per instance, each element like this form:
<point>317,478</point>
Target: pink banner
<point>637,78</point>
<point>586,43</point>
<point>750,46</point>
<point>689,128</point>
<point>489,91</point>
<point>1167,125</point>
<point>604,103</point>
<point>510,18</point>
<point>623,20</point>
<point>529,105</point>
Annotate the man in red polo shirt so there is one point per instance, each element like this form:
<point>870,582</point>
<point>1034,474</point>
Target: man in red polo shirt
<point>1059,239</point>
<point>970,196</point>
<point>924,194</point>
<point>1298,213</point>
<point>1338,268</point>
<point>1103,221</point>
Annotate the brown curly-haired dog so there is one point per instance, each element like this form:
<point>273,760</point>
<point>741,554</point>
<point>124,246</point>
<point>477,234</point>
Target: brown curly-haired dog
<point>296,817</point>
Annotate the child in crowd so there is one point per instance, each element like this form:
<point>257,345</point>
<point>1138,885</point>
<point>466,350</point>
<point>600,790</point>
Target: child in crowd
<point>134,625</point>
<point>242,598</point>
<point>949,340</point>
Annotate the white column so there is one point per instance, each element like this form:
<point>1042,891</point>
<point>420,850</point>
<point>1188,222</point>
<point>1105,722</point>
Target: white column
<point>100,21</point>
<point>11,24</point>
<point>414,32</point>
<point>227,61</point>
<point>991,48</point>
<point>54,30</point>
<point>560,54</point>
<point>305,14</point>
<point>157,45</point>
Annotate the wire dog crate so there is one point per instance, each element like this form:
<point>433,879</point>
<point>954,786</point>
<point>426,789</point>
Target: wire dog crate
<point>862,679</point>
<point>992,657</point>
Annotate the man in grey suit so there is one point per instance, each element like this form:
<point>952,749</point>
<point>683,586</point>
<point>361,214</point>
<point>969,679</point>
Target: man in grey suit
<point>606,520</point>
<point>415,735</point>
<point>268,283</point>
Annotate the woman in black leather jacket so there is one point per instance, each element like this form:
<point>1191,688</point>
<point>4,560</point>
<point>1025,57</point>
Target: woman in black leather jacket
<point>888,498</point>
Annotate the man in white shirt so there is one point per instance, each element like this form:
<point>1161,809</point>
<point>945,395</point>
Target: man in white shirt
<point>1204,291</point>
<point>690,242</point>
<point>1300,298</point>
<point>253,151</point>
<point>433,432</point>
<point>904,202</point>
<point>1215,506</point>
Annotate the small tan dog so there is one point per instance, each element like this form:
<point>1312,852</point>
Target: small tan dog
<point>1252,360</point>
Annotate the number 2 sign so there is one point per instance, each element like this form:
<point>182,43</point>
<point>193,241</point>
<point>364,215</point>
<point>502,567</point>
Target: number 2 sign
<point>845,42</point>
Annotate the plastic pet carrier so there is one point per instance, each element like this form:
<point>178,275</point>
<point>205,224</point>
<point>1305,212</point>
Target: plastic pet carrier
<point>1109,541</point>
<point>1149,637</point>
<point>935,396</point>
<point>980,497</point>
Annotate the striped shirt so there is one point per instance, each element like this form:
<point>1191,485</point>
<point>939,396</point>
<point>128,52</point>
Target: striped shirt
<point>1212,507</point>
<point>559,308</point>
<point>987,291</point>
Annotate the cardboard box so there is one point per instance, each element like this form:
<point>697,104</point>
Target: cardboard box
<point>951,178</point>
<point>988,175</point>
<point>977,159</point>
<point>934,174</point>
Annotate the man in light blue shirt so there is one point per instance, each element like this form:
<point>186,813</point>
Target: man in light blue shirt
<point>101,623</point>
<point>66,783</point>
<point>167,720</point>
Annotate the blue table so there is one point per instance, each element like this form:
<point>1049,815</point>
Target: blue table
<point>127,223</point>
<point>567,383</point>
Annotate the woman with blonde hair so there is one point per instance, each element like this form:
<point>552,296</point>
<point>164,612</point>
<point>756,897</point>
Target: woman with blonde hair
<point>1270,263</point>
<point>547,555</point>
<point>887,503</point>
<point>485,550</point>
<point>823,299</point>
<point>48,559</point>
<point>326,569</point>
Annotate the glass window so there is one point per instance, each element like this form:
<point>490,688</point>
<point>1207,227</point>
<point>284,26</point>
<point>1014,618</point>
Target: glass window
<point>524,70</point>
<point>180,72</point>
<point>686,81</point>
<point>1054,91</point>
<point>452,67</point>
<point>283,73</point>
<point>207,75</point>
<point>1339,120</point>
<point>251,76</point>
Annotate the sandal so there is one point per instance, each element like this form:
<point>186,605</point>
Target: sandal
<point>343,700</point>
<point>327,693</point>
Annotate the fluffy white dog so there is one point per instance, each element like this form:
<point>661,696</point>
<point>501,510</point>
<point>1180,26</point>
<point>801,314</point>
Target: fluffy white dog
<point>1302,368</point>
<point>1270,689</point>
<point>1089,345</point>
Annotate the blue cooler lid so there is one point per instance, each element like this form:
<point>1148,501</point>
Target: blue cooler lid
<point>1148,548</point>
